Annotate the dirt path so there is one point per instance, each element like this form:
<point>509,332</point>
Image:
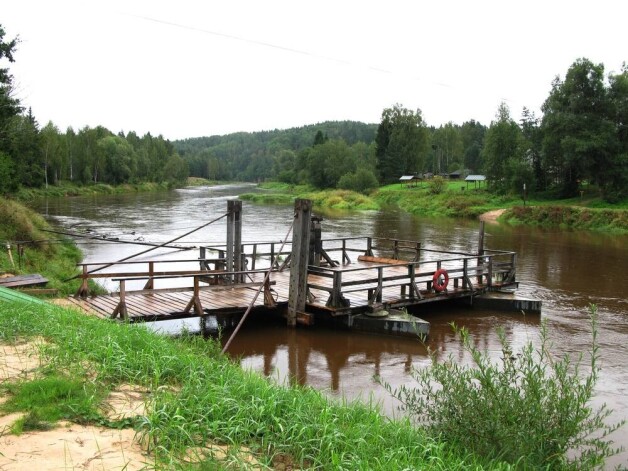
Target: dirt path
<point>491,216</point>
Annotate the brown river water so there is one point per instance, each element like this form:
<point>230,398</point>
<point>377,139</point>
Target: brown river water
<point>568,271</point>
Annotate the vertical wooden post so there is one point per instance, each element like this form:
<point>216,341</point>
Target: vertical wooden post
<point>481,239</point>
<point>230,234</point>
<point>151,271</point>
<point>121,307</point>
<point>316,244</point>
<point>83,290</point>
<point>238,264</point>
<point>480,251</point>
<point>489,280</point>
<point>202,255</point>
<point>298,259</point>
<point>234,238</point>
<point>417,252</point>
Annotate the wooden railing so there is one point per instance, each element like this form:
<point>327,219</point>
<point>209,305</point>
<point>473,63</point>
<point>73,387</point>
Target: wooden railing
<point>466,272</point>
<point>194,303</point>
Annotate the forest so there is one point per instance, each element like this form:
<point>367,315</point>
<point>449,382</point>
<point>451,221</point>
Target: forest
<point>580,140</point>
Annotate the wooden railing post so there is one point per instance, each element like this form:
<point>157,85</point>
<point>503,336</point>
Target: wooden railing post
<point>121,307</point>
<point>345,257</point>
<point>489,280</point>
<point>481,252</point>
<point>417,252</point>
<point>369,247</point>
<point>83,290</point>
<point>336,299</point>
<point>195,302</point>
<point>202,255</point>
<point>151,271</point>
<point>414,289</point>
<point>513,269</point>
<point>395,250</point>
<point>269,301</point>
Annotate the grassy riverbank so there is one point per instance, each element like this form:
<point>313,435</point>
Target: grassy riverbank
<point>27,248</point>
<point>283,193</point>
<point>589,212</point>
<point>199,402</point>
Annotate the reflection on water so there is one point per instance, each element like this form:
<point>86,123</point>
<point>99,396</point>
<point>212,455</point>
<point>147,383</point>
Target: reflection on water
<point>568,271</point>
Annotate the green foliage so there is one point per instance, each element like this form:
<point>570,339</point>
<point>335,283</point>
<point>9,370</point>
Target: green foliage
<point>401,143</point>
<point>436,185</point>
<point>266,154</point>
<point>528,408</point>
<point>607,220</point>
<point>9,105</point>
<point>584,132</point>
<point>7,171</point>
<point>175,170</point>
<point>362,181</point>
<point>503,153</point>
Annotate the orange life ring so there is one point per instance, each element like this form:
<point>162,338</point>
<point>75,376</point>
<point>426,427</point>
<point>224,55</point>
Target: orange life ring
<point>438,284</point>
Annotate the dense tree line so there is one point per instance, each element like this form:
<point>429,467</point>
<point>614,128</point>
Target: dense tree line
<point>266,154</point>
<point>581,139</point>
<point>35,156</point>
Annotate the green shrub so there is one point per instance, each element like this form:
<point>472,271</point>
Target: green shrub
<point>529,408</point>
<point>437,185</point>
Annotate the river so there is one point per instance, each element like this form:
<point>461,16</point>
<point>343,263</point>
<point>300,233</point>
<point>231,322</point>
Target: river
<point>568,271</point>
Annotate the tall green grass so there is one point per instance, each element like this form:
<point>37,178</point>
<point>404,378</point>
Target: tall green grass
<point>66,188</point>
<point>569,217</point>
<point>198,397</point>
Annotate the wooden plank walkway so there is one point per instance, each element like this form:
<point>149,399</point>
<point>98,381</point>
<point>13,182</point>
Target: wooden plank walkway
<point>23,280</point>
<point>359,283</point>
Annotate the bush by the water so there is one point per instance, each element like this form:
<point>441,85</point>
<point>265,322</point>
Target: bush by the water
<point>528,408</point>
<point>610,220</point>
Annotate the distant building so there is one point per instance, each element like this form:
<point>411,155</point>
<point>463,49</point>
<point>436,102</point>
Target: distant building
<point>459,174</point>
<point>476,179</point>
<point>410,180</point>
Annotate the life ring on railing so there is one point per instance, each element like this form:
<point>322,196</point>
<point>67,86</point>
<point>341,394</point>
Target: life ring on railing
<point>440,280</point>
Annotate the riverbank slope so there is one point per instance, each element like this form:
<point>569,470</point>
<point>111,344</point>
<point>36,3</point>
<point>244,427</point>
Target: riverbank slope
<point>454,199</point>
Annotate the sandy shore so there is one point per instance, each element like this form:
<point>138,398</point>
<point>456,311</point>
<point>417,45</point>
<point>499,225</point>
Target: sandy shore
<point>68,445</point>
<point>491,216</point>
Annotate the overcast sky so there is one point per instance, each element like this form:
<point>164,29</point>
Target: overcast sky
<point>199,68</point>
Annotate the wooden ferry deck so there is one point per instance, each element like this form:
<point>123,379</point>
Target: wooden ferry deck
<point>333,289</point>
